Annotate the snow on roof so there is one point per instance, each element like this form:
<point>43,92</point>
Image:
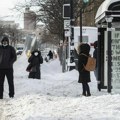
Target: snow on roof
<point>103,7</point>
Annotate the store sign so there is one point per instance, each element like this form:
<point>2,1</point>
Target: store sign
<point>116,58</point>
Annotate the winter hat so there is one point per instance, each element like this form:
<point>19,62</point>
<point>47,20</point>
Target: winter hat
<point>85,48</point>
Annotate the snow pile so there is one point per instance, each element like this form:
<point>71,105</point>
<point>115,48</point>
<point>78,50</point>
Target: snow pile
<point>57,96</point>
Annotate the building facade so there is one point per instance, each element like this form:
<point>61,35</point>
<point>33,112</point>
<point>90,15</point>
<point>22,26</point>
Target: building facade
<point>29,19</point>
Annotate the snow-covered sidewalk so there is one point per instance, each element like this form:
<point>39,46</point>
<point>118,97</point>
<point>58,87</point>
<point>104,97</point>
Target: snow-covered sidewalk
<point>57,96</point>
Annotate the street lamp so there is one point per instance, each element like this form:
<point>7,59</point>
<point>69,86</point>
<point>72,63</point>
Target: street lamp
<point>84,3</point>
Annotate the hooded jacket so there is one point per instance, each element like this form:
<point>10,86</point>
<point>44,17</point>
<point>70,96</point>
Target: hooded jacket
<point>35,60</point>
<point>7,55</point>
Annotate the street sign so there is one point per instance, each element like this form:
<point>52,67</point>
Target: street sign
<point>67,33</point>
<point>66,24</point>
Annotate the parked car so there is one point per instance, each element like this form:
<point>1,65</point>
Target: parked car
<point>19,50</point>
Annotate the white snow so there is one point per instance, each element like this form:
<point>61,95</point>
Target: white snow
<point>57,96</point>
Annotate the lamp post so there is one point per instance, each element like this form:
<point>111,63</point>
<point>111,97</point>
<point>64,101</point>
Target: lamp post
<point>81,25</point>
<point>84,3</point>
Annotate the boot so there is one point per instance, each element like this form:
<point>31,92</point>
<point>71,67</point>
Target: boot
<point>84,94</point>
<point>99,88</point>
<point>88,95</point>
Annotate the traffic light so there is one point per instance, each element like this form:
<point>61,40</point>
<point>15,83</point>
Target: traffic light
<point>66,11</point>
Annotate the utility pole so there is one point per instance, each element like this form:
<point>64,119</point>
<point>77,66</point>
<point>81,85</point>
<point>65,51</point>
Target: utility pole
<point>81,25</point>
<point>72,35</point>
<point>69,19</point>
<point>66,16</point>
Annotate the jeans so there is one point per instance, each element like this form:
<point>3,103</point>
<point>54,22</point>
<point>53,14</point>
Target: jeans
<point>86,89</point>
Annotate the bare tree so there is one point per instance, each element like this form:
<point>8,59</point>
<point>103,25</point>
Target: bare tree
<point>50,13</point>
<point>11,31</point>
<point>47,37</point>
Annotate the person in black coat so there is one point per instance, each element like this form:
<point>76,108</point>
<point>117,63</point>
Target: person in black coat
<point>50,54</point>
<point>96,68</point>
<point>84,76</point>
<point>35,60</point>
<point>7,58</point>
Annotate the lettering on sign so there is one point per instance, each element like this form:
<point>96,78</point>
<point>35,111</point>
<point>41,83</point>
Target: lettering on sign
<point>115,46</point>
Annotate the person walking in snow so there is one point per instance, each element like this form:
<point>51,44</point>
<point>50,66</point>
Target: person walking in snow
<point>50,54</point>
<point>7,58</point>
<point>84,75</point>
<point>96,68</point>
<point>35,60</point>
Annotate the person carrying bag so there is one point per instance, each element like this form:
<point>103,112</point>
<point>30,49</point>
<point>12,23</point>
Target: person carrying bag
<point>34,65</point>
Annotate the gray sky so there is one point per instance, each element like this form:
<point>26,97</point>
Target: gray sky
<point>6,13</point>
<point>5,5</point>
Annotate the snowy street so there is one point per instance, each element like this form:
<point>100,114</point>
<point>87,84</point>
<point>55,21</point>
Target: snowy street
<point>57,96</point>
<point>42,41</point>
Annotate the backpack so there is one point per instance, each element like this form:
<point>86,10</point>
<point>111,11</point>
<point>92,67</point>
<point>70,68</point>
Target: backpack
<point>91,63</point>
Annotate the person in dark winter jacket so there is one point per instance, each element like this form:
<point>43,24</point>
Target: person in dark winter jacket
<point>50,54</point>
<point>84,76</point>
<point>7,58</point>
<point>96,68</point>
<point>35,60</point>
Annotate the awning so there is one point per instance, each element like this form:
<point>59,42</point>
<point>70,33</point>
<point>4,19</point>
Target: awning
<point>108,8</point>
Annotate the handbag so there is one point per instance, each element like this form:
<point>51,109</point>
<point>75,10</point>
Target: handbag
<point>33,69</point>
<point>29,67</point>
